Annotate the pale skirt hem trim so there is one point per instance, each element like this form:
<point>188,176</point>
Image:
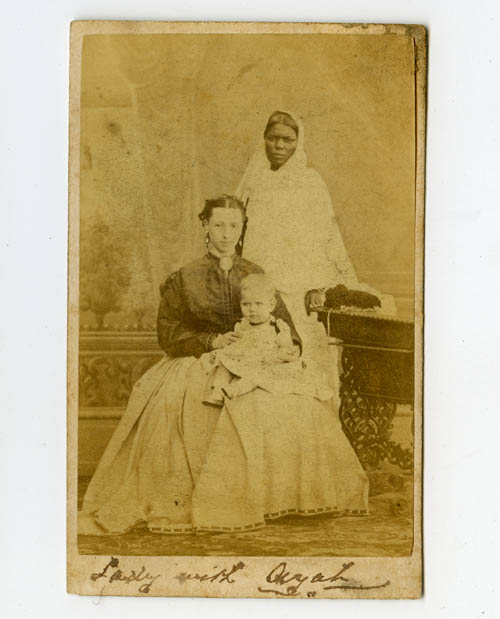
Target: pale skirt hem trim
<point>259,525</point>
<point>180,529</point>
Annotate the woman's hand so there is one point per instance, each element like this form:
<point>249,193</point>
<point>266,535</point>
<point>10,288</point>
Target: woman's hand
<point>224,339</point>
<point>313,300</point>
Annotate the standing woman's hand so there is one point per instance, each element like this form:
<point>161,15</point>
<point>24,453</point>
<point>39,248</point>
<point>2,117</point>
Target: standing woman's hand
<point>224,339</point>
<point>313,300</point>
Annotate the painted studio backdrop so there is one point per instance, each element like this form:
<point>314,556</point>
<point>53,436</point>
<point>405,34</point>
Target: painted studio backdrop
<point>170,120</point>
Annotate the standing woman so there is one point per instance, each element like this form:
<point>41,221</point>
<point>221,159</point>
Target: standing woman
<point>292,231</point>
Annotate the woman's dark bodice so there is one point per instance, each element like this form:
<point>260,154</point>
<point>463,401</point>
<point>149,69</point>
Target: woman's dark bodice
<point>199,301</point>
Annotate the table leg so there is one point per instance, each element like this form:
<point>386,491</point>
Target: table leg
<point>367,420</point>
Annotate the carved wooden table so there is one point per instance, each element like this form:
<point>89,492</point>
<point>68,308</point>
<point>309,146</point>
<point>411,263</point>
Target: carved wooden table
<point>377,374</point>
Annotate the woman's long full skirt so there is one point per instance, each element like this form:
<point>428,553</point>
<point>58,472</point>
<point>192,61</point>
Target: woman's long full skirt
<point>179,465</point>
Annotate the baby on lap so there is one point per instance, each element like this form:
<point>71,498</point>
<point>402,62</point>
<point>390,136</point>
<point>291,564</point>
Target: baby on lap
<point>265,356</point>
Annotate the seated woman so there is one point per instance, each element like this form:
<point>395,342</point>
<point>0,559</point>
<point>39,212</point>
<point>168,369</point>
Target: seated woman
<point>179,464</point>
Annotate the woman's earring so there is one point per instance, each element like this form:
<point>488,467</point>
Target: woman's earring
<point>207,240</point>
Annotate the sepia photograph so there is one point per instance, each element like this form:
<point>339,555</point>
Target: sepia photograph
<point>245,336</point>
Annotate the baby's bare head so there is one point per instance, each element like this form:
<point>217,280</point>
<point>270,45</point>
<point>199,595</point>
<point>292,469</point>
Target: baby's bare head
<point>258,298</point>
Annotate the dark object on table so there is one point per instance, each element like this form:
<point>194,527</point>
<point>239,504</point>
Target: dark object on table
<point>340,296</point>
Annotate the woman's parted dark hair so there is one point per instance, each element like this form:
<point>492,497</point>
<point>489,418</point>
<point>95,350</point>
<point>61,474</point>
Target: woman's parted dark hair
<point>282,118</point>
<point>223,201</point>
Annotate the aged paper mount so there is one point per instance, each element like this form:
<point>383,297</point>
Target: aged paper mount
<point>164,116</point>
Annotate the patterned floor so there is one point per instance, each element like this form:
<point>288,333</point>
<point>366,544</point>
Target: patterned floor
<point>387,531</point>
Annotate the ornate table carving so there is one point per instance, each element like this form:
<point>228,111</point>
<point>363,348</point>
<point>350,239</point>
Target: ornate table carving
<point>377,373</point>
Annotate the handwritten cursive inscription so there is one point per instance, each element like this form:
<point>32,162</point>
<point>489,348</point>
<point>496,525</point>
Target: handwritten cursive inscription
<point>113,575</point>
<point>220,576</point>
<point>288,584</point>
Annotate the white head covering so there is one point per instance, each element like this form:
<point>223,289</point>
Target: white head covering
<point>259,163</point>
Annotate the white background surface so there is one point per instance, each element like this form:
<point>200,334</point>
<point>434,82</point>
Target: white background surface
<point>462,298</point>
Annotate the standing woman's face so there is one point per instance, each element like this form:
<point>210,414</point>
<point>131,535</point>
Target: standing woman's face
<point>281,143</point>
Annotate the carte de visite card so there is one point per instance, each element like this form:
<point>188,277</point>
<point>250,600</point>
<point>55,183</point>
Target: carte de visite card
<point>245,331</point>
